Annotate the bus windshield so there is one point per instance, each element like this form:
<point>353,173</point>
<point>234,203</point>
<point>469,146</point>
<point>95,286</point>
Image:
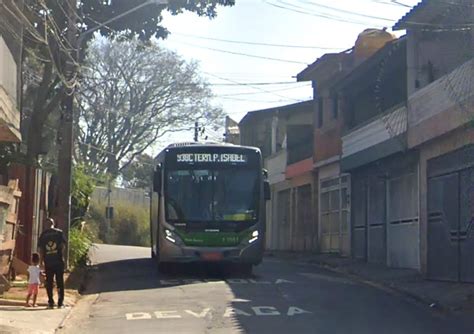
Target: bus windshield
<point>212,195</point>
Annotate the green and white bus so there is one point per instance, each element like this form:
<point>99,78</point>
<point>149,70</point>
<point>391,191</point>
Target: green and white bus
<point>208,205</point>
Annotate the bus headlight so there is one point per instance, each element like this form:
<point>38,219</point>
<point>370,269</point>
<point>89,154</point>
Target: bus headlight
<point>169,235</point>
<point>254,236</point>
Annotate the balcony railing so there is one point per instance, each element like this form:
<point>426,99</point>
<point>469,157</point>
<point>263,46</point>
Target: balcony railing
<point>387,126</point>
<point>453,90</point>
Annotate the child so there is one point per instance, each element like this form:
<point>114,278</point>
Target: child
<point>34,273</point>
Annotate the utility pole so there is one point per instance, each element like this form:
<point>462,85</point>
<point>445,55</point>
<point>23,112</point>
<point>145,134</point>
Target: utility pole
<point>109,209</point>
<point>63,210</point>
<point>63,213</point>
<point>196,131</point>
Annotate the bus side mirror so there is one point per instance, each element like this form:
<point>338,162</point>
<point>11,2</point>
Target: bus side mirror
<point>266,190</point>
<point>157,180</point>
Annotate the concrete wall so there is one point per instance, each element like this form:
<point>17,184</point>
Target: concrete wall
<point>276,166</point>
<point>433,54</point>
<point>258,134</point>
<point>134,197</point>
<point>327,139</point>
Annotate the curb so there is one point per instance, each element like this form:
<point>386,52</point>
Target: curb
<point>66,317</point>
<point>382,286</point>
<point>15,302</point>
<point>434,305</point>
<point>81,288</point>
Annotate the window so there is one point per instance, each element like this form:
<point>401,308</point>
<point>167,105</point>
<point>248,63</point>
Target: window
<point>212,195</point>
<point>335,107</point>
<point>320,112</point>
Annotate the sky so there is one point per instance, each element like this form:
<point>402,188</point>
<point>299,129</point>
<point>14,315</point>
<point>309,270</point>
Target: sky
<point>242,82</point>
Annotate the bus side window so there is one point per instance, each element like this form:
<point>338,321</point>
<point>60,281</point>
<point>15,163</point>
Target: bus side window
<point>157,180</point>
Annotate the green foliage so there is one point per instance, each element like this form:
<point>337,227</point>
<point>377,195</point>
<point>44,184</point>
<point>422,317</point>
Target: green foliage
<point>95,222</point>
<point>130,225</point>
<point>81,190</point>
<point>79,245</point>
<point>138,174</point>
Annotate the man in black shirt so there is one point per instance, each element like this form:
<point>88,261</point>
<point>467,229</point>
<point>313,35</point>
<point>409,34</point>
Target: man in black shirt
<point>51,246</point>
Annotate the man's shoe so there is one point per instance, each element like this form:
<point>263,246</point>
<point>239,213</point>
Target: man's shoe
<point>61,306</point>
<point>50,306</point>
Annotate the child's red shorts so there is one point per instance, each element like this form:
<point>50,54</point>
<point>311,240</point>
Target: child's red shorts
<point>33,289</point>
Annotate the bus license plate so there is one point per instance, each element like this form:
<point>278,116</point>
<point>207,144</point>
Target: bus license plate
<point>212,256</point>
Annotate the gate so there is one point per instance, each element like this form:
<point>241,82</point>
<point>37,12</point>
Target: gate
<point>283,218</point>
<point>376,222</point>
<point>335,215</point>
<point>402,222</point>
<point>304,221</point>
<point>450,226</point>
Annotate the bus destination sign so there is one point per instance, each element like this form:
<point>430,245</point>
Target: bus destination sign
<point>229,158</point>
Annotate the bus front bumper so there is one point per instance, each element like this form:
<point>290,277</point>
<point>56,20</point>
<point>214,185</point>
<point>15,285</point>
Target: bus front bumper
<point>249,254</point>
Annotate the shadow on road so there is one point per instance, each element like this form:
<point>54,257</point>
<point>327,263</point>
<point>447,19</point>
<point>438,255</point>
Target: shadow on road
<point>279,302</point>
<point>142,273</point>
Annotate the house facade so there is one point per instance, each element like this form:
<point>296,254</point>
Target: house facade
<point>390,177</point>
<point>10,194</point>
<point>384,174</point>
<point>284,135</point>
<point>331,187</point>
<point>440,111</point>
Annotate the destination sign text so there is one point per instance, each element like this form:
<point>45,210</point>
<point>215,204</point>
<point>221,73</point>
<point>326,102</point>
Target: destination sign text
<point>231,158</point>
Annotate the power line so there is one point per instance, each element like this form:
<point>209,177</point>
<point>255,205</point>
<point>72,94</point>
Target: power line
<point>312,3</point>
<point>254,93</point>
<point>435,27</point>
<point>400,3</point>
<point>390,2</point>
<point>235,83</point>
<point>255,100</point>
<point>251,85</point>
<point>243,54</point>
<point>257,43</point>
<point>305,12</point>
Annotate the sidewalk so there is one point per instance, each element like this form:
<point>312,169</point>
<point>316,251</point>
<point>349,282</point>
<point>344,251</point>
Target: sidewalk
<point>18,319</point>
<point>445,296</point>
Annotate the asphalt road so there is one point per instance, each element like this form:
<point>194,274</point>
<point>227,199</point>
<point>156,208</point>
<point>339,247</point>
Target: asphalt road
<point>127,295</point>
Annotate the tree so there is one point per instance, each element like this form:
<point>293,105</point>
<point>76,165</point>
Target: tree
<point>138,174</point>
<point>45,41</point>
<point>132,94</point>
<point>82,187</point>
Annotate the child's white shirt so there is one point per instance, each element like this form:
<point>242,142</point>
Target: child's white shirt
<point>35,273</point>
